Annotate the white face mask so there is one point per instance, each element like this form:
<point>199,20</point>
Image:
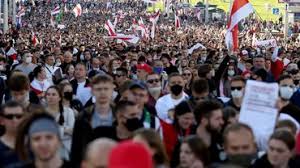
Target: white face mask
<point>230,72</point>
<point>286,92</point>
<point>58,63</point>
<point>236,93</point>
<point>155,90</point>
<point>212,72</point>
<point>28,60</point>
<point>2,67</point>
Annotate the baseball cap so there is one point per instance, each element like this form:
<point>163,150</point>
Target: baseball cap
<point>144,67</point>
<point>138,84</point>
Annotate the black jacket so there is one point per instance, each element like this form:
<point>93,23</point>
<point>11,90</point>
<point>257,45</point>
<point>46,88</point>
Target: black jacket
<point>263,162</point>
<point>74,84</point>
<point>84,133</point>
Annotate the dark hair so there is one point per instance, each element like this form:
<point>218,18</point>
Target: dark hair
<point>203,70</point>
<point>38,69</point>
<point>154,141</point>
<point>121,105</point>
<point>101,79</point>
<point>235,128</point>
<point>10,104</point>
<point>198,147</point>
<point>174,74</point>
<point>200,86</point>
<point>205,109</point>
<point>18,81</point>
<point>22,141</point>
<point>286,137</point>
<point>287,123</point>
<point>123,70</point>
<point>61,119</point>
<point>283,77</point>
<point>165,55</point>
<point>238,78</point>
<point>67,68</point>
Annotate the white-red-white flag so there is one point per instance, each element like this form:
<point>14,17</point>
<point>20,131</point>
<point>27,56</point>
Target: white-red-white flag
<point>127,38</point>
<point>66,10</point>
<point>177,21</point>
<point>55,11</point>
<point>154,19</point>
<point>12,53</point>
<point>240,10</point>
<point>77,10</point>
<point>198,14</point>
<point>34,39</point>
<point>110,28</point>
<point>21,12</point>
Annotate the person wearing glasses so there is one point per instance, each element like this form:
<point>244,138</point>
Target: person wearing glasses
<point>237,85</point>
<point>11,115</point>
<point>154,88</point>
<point>286,90</point>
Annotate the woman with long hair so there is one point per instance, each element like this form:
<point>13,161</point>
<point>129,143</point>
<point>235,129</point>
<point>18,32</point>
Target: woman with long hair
<point>70,71</point>
<point>68,100</point>
<point>63,115</point>
<point>181,127</point>
<point>153,142</point>
<point>193,153</point>
<point>188,78</point>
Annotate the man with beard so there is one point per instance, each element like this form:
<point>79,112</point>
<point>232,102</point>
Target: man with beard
<point>209,118</point>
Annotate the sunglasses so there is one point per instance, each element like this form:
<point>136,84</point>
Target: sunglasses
<point>186,74</point>
<point>291,86</point>
<point>12,116</point>
<point>237,88</point>
<point>153,80</point>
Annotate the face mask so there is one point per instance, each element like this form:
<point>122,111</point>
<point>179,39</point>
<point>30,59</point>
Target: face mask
<point>58,63</point>
<point>230,72</point>
<point>244,160</point>
<point>155,90</point>
<point>286,92</point>
<point>203,58</point>
<point>176,89</point>
<point>296,82</point>
<point>133,124</point>
<point>68,95</point>
<point>236,93</point>
<point>28,60</point>
<point>212,72</point>
<point>158,70</point>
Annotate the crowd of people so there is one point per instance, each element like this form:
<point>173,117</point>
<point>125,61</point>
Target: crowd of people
<point>71,97</point>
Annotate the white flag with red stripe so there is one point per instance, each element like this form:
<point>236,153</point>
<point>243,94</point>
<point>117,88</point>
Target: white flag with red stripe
<point>177,21</point>
<point>77,10</point>
<point>110,28</point>
<point>154,19</point>
<point>240,10</point>
<point>198,14</point>
<point>34,39</point>
<point>21,12</point>
<point>12,53</point>
<point>55,11</point>
<point>127,38</point>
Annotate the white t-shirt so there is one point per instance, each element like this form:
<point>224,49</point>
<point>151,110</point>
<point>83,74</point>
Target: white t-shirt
<point>165,103</point>
<point>83,93</point>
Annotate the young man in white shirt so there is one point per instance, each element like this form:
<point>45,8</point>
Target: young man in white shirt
<point>169,101</point>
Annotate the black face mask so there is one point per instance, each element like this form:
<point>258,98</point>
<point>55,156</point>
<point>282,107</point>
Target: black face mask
<point>176,89</point>
<point>133,124</point>
<point>296,82</point>
<point>68,95</point>
<point>244,160</point>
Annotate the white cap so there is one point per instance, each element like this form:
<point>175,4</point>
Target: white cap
<point>244,52</point>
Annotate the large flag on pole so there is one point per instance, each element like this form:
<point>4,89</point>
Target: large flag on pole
<point>177,21</point>
<point>77,10</point>
<point>240,10</point>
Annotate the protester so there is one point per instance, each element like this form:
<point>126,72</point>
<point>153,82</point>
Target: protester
<point>11,116</point>
<point>193,153</point>
<point>280,152</point>
<point>97,153</point>
<point>153,142</point>
<point>44,137</point>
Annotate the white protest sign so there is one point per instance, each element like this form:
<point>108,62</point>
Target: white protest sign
<point>259,108</point>
<point>266,43</point>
